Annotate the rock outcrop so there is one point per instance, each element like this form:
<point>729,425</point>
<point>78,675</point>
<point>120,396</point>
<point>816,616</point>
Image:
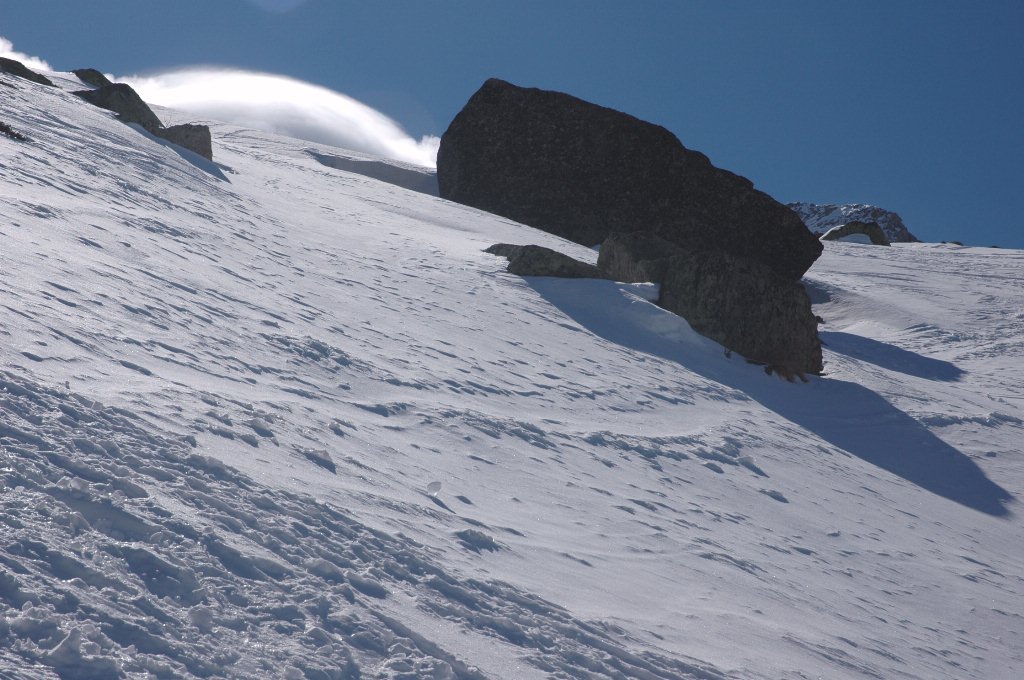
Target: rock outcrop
<point>869,230</point>
<point>91,76</point>
<point>747,308</point>
<point>125,102</point>
<point>192,136</point>
<point>819,218</point>
<point>540,261</point>
<point>129,107</point>
<point>16,68</point>
<point>583,171</point>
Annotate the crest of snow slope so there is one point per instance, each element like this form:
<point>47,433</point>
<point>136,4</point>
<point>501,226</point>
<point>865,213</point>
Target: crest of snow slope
<point>227,392</point>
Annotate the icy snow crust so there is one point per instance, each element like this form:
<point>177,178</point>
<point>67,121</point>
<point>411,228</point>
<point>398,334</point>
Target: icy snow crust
<point>228,390</point>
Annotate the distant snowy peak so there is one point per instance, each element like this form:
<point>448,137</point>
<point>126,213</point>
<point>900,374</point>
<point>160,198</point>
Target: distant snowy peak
<point>821,218</point>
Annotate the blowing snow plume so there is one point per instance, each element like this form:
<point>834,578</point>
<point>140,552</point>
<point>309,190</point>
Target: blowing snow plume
<point>287,106</point>
<point>35,63</point>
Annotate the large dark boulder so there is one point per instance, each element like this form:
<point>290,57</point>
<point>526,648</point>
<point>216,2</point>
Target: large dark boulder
<point>636,257</point>
<point>870,230</point>
<point>125,102</point>
<point>583,171</point>
<point>16,68</point>
<point>540,261</point>
<point>746,307</point>
<point>91,76</point>
<point>192,136</point>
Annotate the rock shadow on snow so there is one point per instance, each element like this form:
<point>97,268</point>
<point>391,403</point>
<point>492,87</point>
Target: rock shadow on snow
<point>415,179</point>
<point>208,166</point>
<point>890,357</point>
<point>834,410</point>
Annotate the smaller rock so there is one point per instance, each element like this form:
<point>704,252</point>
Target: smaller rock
<point>8,131</point>
<point>91,76</point>
<point>637,257</point>
<point>869,229</point>
<point>192,136</point>
<point>540,261</point>
<point>125,102</point>
<point>16,68</point>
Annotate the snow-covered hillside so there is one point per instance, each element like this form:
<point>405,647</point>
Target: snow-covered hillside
<point>229,392</point>
<point>821,218</point>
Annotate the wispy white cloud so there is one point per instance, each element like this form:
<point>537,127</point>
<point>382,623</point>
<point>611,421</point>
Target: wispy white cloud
<point>292,107</point>
<point>275,103</point>
<point>7,50</point>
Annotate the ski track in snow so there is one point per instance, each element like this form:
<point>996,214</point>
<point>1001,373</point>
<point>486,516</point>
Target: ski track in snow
<point>289,354</point>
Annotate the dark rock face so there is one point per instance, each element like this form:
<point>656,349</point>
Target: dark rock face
<point>636,258</point>
<point>16,68</point>
<point>125,102</point>
<point>746,307</point>
<point>192,136</point>
<point>91,76</point>
<point>541,261</point>
<point>583,171</point>
<point>870,229</point>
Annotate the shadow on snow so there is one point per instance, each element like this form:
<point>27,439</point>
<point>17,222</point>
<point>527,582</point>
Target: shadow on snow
<point>204,164</point>
<point>890,357</point>
<point>847,415</point>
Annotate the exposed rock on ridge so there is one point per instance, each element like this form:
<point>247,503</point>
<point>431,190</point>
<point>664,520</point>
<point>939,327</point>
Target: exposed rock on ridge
<point>16,68</point>
<point>125,102</point>
<point>91,76</point>
<point>819,218</point>
<point>129,107</point>
<point>192,136</point>
<point>583,171</point>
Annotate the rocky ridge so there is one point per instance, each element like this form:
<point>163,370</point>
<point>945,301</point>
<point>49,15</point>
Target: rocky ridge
<point>129,107</point>
<point>819,218</point>
<point>870,232</point>
<point>16,68</point>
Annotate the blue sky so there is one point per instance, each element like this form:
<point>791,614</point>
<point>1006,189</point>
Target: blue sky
<point>912,106</point>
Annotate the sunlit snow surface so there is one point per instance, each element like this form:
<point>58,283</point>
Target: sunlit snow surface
<point>228,390</point>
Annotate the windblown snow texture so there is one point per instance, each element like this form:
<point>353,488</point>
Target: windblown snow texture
<point>269,417</point>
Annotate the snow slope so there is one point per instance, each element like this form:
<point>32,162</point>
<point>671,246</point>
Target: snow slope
<point>228,392</point>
